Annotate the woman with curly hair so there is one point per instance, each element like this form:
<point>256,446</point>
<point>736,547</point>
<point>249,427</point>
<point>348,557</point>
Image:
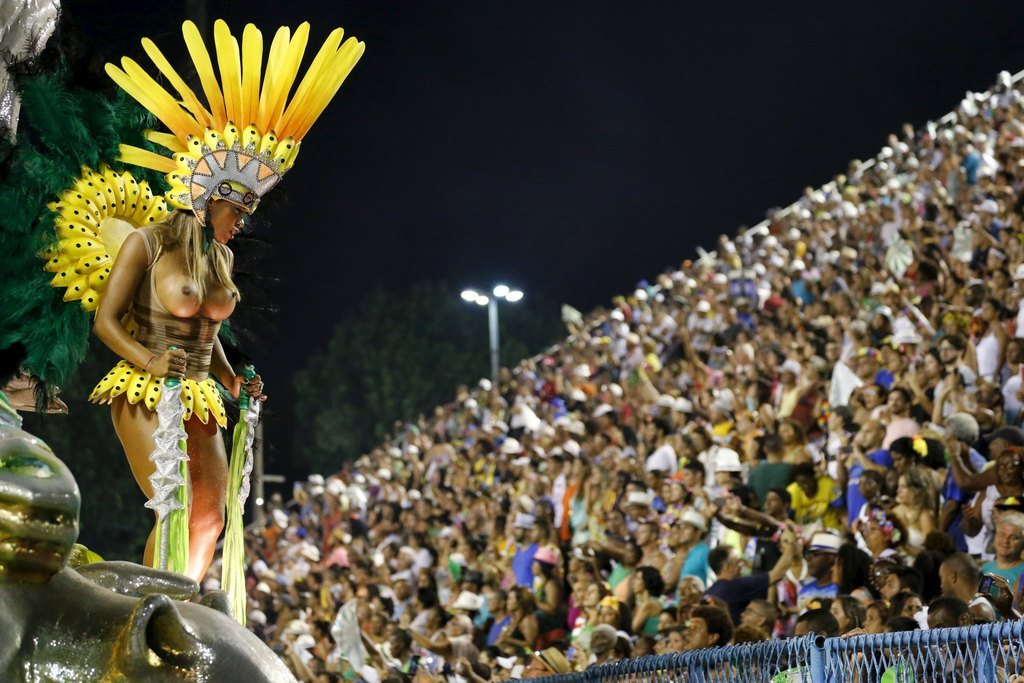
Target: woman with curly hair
<point>647,588</point>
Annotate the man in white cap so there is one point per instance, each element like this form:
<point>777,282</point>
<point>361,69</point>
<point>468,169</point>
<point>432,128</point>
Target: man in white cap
<point>689,551</point>
<point>819,559</point>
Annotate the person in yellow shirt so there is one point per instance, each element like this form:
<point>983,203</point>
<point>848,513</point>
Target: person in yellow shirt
<point>816,500</point>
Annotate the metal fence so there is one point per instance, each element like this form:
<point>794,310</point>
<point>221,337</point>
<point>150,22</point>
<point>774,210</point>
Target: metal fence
<point>974,654</point>
<point>990,652</point>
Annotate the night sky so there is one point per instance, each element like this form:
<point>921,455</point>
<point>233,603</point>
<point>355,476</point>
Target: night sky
<point>573,148</point>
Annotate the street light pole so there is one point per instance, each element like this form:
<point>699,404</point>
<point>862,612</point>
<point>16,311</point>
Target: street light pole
<point>499,292</point>
<point>492,323</point>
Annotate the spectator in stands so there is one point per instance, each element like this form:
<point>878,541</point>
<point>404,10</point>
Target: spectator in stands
<point>760,614</point>
<point>602,644</point>
<point>852,572</point>
<point>875,616</point>
<point>897,578</point>
<point>572,453</point>
<point>689,551</point>
<point>978,522</point>
<point>961,432</point>
<point>773,471</point>
<point>736,591</point>
<point>900,423</point>
<point>708,626</point>
<point>864,454</point>
<point>906,604</point>
<point>916,504</point>
<point>647,589</point>
<point>948,612</point>
<point>959,575</point>
<point>815,499</point>
<point>883,534</point>
<point>454,640</point>
<point>848,612</point>
<point>1009,544</point>
<point>819,621</point>
<point>522,628</point>
<point>819,559</point>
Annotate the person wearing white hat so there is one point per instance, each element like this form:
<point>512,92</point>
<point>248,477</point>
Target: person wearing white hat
<point>819,559</point>
<point>511,446</point>
<point>727,460</point>
<point>467,601</point>
<point>689,550</point>
<point>789,390</point>
<point>280,518</point>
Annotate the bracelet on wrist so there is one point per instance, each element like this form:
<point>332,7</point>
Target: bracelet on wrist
<point>146,366</point>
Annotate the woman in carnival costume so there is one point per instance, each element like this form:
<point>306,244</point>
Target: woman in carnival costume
<point>157,270</point>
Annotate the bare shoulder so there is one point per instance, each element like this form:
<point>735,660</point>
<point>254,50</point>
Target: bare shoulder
<point>134,252</point>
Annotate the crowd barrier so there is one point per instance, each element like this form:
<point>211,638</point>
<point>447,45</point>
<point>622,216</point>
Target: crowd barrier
<point>973,654</point>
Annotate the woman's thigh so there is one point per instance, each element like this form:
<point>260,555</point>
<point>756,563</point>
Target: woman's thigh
<point>134,425</point>
<point>208,462</point>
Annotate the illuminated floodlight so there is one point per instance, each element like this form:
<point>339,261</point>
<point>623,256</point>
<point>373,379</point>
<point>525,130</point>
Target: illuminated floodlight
<point>469,295</point>
<point>501,291</point>
<point>514,296</point>
<point>482,300</point>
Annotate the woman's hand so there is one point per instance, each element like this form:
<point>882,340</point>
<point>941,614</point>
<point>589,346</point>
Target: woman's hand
<point>170,363</point>
<point>253,387</point>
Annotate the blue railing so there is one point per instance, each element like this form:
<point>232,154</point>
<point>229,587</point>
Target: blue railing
<point>974,654</point>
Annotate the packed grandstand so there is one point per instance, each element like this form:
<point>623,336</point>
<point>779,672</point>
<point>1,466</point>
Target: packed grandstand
<point>814,427</point>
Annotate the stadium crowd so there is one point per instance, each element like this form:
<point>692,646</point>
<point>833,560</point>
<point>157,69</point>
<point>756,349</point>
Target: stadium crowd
<point>814,428</point>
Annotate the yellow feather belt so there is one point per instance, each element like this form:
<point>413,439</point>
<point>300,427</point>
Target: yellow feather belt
<point>199,398</point>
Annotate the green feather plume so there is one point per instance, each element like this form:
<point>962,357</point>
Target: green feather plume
<point>61,130</point>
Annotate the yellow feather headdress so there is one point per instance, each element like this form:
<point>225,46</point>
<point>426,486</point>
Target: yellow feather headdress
<point>247,136</point>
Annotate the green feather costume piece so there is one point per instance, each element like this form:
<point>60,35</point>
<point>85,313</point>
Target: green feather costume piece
<point>62,129</point>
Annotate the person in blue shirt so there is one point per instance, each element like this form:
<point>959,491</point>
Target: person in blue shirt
<point>864,454</point>
<point>961,431</point>
<point>820,558</point>
<point>970,164</point>
<point>799,288</point>
<point>522,561</point>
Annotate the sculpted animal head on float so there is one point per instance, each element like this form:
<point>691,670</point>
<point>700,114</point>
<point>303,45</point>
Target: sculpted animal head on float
<point>39,504</point>
<point>109,621</point>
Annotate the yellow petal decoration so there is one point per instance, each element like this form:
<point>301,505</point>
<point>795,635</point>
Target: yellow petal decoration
<point>141,386</point>
<point>247,109</point>
<point>94,217</point>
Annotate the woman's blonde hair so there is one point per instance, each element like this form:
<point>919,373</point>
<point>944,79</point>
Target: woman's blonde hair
<point>182,231</point>
<point>923,486</point>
